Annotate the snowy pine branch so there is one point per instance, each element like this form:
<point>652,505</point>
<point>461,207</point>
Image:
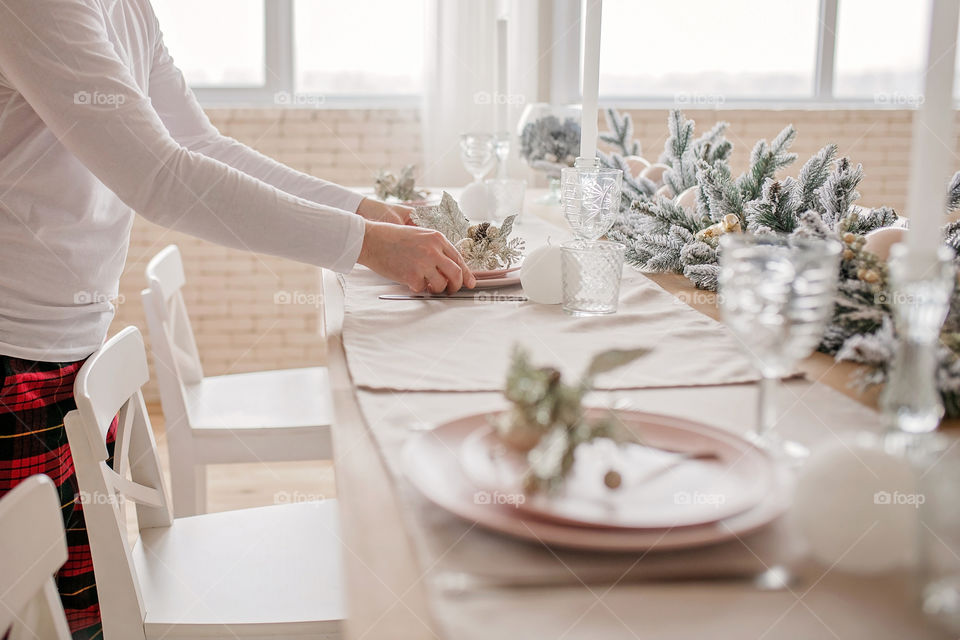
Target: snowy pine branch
<point>765,161</point>
<point>814,173</point>
<point>720,192</point>
<point>776,210</point>
<point>839,192</point>
<point>620,135</point>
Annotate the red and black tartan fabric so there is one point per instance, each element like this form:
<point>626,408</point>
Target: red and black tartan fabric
<point>34,398</point>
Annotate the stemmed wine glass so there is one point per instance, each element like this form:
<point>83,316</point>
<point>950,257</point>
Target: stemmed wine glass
<point>478,154</point>
<point>776,295</point>
<point>590,198</point>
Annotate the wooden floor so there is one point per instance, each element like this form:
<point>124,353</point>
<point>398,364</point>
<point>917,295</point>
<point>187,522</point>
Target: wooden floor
<point>239,486</point>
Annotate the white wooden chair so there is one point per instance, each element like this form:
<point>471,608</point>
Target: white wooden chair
<point>269,572</point>
<point>32,548</point>
<point>266,416</point>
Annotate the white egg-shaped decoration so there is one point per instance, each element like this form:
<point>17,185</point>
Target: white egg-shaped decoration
<point>687,198</point>
<point>540,275</point>
<point>636,164</point>
<point>655,172</point>
<point>880,240</point>
<point>476,202</point>
<point>856,507</point>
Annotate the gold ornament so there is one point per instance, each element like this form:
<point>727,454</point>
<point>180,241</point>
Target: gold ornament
<point>729,224</point>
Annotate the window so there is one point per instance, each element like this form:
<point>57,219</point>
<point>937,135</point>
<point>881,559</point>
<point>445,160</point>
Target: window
<point>702,50</point>
<point>296,52</point>
<point>881,48</point>
<point>359,48</point>
<point>233,58</point>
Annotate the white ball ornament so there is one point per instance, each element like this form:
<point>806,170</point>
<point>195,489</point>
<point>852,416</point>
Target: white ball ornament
<point>880,240</point>
<point>655,172</point>
<point>687,198</point>
<point>476,202</point>
<point>663,192</point>
<point>636,164</point>
<point>856,507</point>
<point>540,275</point>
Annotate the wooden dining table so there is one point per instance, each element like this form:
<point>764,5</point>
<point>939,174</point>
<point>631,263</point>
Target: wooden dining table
<point>392,586</point>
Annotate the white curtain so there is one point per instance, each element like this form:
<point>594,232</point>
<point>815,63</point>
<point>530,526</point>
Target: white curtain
<point>459,78</point>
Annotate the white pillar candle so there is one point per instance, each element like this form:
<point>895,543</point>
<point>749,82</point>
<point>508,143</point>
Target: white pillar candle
<point>591,79</point>
<point>933,138</point>
<point>500,101</point>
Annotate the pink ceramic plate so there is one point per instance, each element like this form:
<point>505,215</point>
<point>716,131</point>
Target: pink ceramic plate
<point>494,273</point>
<point>432,464</point>
<point>658,489</point>
<point>494,283</point>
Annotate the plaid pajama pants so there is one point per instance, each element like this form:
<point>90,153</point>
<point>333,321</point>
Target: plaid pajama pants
<point>34,398</point>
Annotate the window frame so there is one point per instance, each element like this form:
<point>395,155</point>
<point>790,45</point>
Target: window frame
<point>562,60</point>
<point>279,66</point>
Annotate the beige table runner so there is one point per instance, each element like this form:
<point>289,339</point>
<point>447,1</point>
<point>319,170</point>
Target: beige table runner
<point>462,345</point>
<point>447,546</point>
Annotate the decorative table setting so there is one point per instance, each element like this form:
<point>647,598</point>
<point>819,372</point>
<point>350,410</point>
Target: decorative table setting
<point>581,449</point>
<point>703,520</point>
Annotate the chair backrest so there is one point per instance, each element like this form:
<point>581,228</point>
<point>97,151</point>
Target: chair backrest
<point>32,548</point>
<point>167,319</point>
<point>107,385</point>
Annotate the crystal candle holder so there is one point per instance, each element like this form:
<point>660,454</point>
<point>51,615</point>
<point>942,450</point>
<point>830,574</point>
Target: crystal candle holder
<point>920,300</point>
<point>591,274</point>
<point>590,197</point>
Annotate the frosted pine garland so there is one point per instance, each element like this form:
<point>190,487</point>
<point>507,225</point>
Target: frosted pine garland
<point>663,236</point>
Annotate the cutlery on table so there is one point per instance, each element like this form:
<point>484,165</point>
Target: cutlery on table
<point>459,583</point>
<point>480,296</point>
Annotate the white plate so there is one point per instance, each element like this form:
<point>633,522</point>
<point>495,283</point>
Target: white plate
<point>494,273</point>
<point>432,464</point>
<point>658,489</point>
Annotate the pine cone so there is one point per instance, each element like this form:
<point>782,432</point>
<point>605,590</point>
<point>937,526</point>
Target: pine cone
<point>479,231</point>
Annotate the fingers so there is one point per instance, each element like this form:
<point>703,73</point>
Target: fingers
<point>451,252</point>
<point>436,282</point>
<point>451,271</point>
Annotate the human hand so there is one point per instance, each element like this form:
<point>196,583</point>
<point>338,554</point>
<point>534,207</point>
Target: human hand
<point>419,258</point>
<point>377,211</point>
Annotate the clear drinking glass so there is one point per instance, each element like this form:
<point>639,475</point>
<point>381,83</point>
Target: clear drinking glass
<point>939,531</point>
<point>506,196</point>
<point>590,198</point>
<point>478,154</point>
<point>591,274</point>
<point>776,296</point>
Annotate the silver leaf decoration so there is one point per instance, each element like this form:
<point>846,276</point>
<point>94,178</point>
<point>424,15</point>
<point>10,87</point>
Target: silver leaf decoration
<point>445,217</point>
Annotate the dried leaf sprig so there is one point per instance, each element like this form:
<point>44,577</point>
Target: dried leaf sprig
<point>547,416</point>
<point>402,187</point>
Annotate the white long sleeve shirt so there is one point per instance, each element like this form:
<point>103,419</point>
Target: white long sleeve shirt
<point>96,122</point>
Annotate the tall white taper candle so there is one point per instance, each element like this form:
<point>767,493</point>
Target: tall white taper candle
<point>591,79</point>
<point>933,138</point>
<point>500,101</point>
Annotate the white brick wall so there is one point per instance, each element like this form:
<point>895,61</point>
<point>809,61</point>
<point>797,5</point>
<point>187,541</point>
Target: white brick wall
<point>230,294</point>
<point>879,139</point>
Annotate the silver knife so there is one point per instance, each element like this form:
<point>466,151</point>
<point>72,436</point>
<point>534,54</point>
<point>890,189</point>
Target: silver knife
<point>476,297</point>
